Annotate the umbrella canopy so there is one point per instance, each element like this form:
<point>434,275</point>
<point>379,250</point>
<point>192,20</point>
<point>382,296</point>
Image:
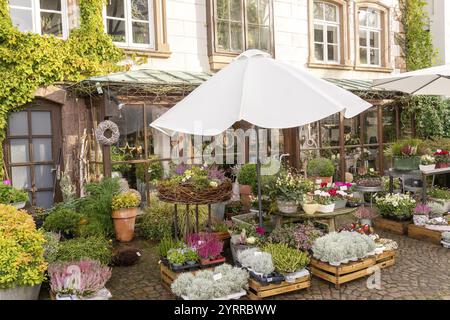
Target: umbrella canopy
<point>429,81</point>
<point>259,90</point>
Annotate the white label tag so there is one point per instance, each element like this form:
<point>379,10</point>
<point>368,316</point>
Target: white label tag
<point>217,276</point>
<point>344,188</point>
<point>138,253</point>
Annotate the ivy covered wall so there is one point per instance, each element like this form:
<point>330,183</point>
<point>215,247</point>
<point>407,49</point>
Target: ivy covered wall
<point>29,61</point>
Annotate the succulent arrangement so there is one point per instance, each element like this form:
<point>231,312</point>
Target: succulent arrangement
<point>82,278</point>
<point>285,259</point>
<point>257,261</point>
<point>336,248</point>
<point>224,280</point>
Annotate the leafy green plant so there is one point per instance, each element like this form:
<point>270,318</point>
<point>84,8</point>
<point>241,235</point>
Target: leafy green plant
<point>65,221</point>
<point>320,167</point>
<point>247,176</point>
<point>176,256</point>
<point>191,255</point>
<point>406,148</point>
<point>96,205</point>
<point>10,195</point>
<point>166,244</point>
<point>95,248</point>
<point>155,170</point>
<point>285,259</point>
<point>439,193</point>
<point>51,246</point>
<point>125,200</point>
<point>289,186</point>
<point>22,260</point>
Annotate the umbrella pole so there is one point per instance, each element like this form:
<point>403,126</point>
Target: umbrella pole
<point>258,175</point>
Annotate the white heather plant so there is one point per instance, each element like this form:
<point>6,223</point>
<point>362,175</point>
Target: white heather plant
<point>203,286</point>
<point>446,236</point>
<point>336,248</point>
<point>257,261</point>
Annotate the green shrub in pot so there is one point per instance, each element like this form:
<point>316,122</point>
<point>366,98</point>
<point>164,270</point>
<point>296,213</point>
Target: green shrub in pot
<point>94,248</point>
<point>65,221</point>
<point>247,176</point>
<point>320,167</point>
<point>22,263</point>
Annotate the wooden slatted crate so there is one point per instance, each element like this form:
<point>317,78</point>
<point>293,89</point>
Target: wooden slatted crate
<point>424,234</point>
<point>257,291</point>
<point>353,270</point>
<point>397,227</point>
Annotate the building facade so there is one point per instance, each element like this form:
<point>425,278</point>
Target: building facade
<point>439,14</point>
<point>178,44</point>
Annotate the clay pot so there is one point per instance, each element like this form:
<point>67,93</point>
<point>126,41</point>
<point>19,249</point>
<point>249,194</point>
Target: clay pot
<point>124,220</point>
<point>245,191</point>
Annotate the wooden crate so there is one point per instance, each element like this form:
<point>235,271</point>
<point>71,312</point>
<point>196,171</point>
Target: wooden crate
<point>343,273</point>
<point>168,276</point>
<point>257,291</point>
<point>422,233</point>
<point>385,259</point>
<point>397,227</point>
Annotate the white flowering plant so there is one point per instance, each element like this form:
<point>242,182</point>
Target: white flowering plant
<point>289,186</point>
<point>427,159</point>
<point>323,197</point>
<point>396,206</point>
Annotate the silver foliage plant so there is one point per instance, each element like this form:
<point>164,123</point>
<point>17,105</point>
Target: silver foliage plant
<point>203,286</point>
<point>254,259</point>
<point>343,246</point>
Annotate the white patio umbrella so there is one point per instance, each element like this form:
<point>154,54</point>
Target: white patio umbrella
<point>262,91</point>
<point>429,81</point>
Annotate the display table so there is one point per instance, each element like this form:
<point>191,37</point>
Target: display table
<point>328,218</point>
<point>370,190</point>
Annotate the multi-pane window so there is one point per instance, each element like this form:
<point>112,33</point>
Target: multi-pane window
<point>130,22</point>
<point>369,36</point>
<point>326,32</point>
<point>40,16</point>
<point>242,25</point>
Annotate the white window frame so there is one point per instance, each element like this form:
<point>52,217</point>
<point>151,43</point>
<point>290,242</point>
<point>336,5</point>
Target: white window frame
<point>325,24</point>
<point>367,29</point>
<point>129,26</point>
<point>36,16</point>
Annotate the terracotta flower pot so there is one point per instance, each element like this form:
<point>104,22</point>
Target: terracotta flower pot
<point>246,191</point>
<point>124,220</point>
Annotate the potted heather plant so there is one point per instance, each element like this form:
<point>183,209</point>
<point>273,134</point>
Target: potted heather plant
<point>365,215</point>
<point>427,163</point>
<point>407,153</point>
<point>124,214</point>
<point>79,280</point>
<point>421,214</point>
<point>208,247</point>
<point>442,158</point>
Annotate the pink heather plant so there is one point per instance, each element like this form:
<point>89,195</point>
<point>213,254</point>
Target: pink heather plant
<point>422,209</point>
<point>83,278</point>
<point>207,245</point>
<point>365,213</point>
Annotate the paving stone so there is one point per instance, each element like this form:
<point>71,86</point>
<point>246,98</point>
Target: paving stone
<point>420,272</point>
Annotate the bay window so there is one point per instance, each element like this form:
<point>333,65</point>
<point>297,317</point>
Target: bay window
<point>40,16</point>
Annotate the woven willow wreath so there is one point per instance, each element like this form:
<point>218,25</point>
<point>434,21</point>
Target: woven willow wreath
<point>102,128</point>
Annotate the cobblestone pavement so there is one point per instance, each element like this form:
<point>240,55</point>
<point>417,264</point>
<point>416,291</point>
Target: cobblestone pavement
<point>422,271</point>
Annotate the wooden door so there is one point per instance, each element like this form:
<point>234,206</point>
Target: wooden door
<point>33,149</point>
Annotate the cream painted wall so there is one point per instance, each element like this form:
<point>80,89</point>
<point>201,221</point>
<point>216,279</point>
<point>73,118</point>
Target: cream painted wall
<point>439,12</point>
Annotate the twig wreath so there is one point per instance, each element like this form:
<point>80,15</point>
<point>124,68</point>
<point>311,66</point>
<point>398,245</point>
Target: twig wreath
<point>102,128</point>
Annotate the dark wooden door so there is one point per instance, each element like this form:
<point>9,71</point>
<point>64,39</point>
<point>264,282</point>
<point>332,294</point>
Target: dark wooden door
<point>33,148</point>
